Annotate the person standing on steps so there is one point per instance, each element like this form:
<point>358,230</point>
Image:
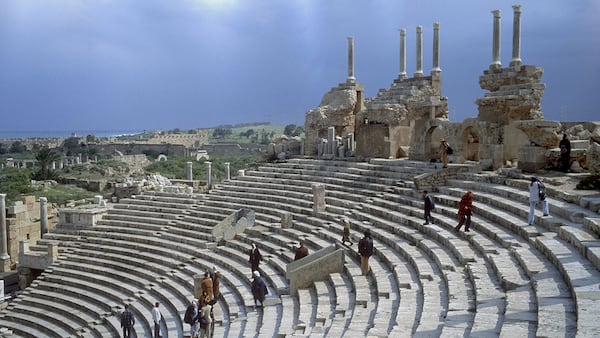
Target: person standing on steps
<point>565,153</point>
<point>365,249</point>
<point>254,258</point>
<point>427,206</point>
<point>216,278</point>
<point>444,152</point>
<point>204,319</point>
<point>346,235</point>
<point>537,193</point>
<point>191,317</point>
<point>259,288</point>
<point>465,211</point>
<point>207,286</point>
<point>127,322</point>
<point>156,317</point>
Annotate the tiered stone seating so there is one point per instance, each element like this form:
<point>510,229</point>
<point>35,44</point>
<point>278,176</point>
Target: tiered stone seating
<point>504,278</point>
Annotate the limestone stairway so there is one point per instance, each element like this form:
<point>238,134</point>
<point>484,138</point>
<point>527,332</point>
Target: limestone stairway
<point>504,278</point>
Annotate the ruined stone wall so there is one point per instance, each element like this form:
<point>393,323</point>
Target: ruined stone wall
<point>337,109</point>
<point>515,93</point>
<point>23,222</point>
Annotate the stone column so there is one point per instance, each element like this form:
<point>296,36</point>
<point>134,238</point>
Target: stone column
<point>402,74</point>
<point>189,173</point>
<point>516,43</point>
<point>208,175</point>
<point>351,77</point>
<point>331,140</point>
<point>43,216</point>
<point>436,48</point>
<point>419,71</point>
<point>4,257</point>
<point>227,171</point>
<point>496,46</point>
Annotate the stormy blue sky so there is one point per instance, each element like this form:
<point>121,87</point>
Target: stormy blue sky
<point>163,64</point>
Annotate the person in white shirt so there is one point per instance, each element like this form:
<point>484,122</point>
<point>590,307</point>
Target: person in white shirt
<point>534,197</point>
<point>156,316</point>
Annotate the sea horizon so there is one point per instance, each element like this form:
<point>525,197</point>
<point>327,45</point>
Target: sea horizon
<point>25,134</point>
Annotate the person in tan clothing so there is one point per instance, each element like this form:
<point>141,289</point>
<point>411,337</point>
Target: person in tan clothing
<point>207,286</point>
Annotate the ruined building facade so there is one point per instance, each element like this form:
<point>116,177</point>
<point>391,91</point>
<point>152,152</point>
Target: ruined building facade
<point>409,118</point>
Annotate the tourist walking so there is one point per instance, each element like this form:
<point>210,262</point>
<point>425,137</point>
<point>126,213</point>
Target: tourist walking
<point>259,288</point>
<point>127,322</point>
<point>207,286</point>
<point>156,317</point>
<point>346,235</point>
<point>365,249</point>
<point>444,152</point>
<point>205,319</point>
<point>428,205</point>
<point>465,210</point>
<point>565,153</point>
<point>216,278</point>
<point>301,252</point>
<point>537,193</point>
<point>191,318</point>
<point>255,258</point>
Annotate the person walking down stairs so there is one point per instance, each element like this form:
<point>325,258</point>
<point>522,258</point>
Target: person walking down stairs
<point>465,211</point>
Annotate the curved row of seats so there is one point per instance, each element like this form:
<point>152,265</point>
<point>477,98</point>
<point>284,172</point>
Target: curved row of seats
<point>505,278</point>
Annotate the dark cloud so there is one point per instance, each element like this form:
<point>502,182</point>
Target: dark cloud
<point>197,63</point>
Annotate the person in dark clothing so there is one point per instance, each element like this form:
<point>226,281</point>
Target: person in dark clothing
<point>301,252</point>
<point>565,153</point>
<point>127,322</point>
<point>255,258</point>
<point>191,317</point>
<point>428,206</point>
<point>365,249</point>
<point>259,288</point>
<point>465,211</point>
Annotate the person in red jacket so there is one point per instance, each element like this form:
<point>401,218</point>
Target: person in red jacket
<point>465,211</point>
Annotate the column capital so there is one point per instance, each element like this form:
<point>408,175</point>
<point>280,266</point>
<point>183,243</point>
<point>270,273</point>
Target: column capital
<point>517,8</point>
<point>496,13</point>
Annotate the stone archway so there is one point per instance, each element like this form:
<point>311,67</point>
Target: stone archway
<point>470,141</point>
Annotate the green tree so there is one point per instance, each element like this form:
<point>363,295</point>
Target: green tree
<point>222,132</point>
<point>293,130</point>
<point>17,148</point>
<point>14,182</point>
<point>45,156</point>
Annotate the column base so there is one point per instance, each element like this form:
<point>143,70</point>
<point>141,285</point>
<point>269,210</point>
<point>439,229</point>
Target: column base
<point>5,264</point>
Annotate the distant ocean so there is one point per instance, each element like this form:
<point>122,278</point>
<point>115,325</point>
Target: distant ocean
<point>63,133</point>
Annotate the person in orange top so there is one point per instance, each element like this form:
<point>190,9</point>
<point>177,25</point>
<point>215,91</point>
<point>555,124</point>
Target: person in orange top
<point>465,207</point>
<point>207,286</point>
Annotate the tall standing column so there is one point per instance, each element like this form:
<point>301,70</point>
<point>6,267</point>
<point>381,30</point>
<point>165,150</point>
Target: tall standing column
<point>436,48</point>
<point>4,257</point>
<point>43,216</point>
<point>227,171</point>
<point>189,172</point>
<point>351,77</point>
<point>516,43</point>
<point>208,175</point>
<point>402,74</point>
<point>496,47</point>
<point>419,71</point>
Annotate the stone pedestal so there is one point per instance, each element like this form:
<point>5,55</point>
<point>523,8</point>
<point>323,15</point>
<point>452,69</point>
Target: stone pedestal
<point>318,198</point>
<point>532,158</point>
<point>198,286</point>
<point>286,220</point>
